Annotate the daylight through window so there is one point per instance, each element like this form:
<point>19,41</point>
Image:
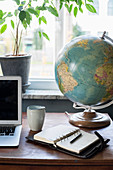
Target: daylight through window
<point>60,31</point>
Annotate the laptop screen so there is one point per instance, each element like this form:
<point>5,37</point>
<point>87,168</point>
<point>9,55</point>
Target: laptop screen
<point>8,100</point>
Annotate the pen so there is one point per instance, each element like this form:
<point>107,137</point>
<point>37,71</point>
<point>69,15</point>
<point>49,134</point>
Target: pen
<point>73,140</point>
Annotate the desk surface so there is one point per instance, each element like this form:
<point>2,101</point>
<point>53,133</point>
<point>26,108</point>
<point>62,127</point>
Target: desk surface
<point>29,154</point>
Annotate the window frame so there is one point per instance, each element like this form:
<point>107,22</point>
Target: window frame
<point>43,84</point>
<point>50,83</point>
<point>109,8</point>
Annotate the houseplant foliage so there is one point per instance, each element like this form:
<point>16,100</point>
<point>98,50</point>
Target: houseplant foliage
<point>21,18</point>
<point>25,11</point>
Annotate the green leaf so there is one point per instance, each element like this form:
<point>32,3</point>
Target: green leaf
<point>28,18</point>
<point>23,2</point>
<point>20,8</point>
<point>81,10</point>
<point>16,12</point>
<point>24,23</point>
<point>4,13</point>
<point>17,1</point>
<point>42,8</point>
<point>53,10</point>
<point>90,0</point>
<point>46,1</point>
<point>79,2</point>
<point>2,21</point>
<point>61,5</point>
<point>44,19</point>
<point>66,5</point>
<point>3,28</point>
<point>22,15</point>
<point>9,14</point>
<point>38,12</point>
<point>1,14</point>
<point>29,5</point>
<point>12,24</point>
<point>32,11</point>
<point>40,19</point>
<point>40,34</point>
<point>45,35</point>
<point>69,8</point>
<point>90,8</point>
<point>75,11</point>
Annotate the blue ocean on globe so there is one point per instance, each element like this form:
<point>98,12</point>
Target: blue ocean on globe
<point>84,70</point>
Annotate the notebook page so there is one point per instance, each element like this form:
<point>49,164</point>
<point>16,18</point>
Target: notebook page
<point>85,140</point>
<point>51,134</point>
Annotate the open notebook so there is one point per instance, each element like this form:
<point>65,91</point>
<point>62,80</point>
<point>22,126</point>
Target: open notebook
<point>67,138</point>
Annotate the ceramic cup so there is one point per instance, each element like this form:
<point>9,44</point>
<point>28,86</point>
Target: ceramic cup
<point>35,117</point>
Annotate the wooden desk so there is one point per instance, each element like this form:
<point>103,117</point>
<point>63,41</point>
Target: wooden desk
<point>31,156</point>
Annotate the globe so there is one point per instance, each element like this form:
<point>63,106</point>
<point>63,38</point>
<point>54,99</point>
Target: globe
<point>84,70</point>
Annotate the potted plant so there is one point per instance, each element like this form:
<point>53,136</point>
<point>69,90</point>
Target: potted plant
<point>19,64</point>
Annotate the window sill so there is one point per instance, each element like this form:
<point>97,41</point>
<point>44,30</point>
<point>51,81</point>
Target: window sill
<point>43,94</point>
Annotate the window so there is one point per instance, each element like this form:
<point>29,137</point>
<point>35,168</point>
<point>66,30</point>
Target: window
<point>60,30</point>
<point>110,8</point>
<point>43,51</point>
<point>94,24</point>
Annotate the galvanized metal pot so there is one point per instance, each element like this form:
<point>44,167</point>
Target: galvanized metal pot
<point>17,66</point>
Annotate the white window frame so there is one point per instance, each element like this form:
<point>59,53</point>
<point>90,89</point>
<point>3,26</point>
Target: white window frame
<point>43,84</point>
<point>46,83</point>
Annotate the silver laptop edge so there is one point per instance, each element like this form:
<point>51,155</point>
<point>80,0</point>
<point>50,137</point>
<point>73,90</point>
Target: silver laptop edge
<point>13,141</point>
<point>19,121</point>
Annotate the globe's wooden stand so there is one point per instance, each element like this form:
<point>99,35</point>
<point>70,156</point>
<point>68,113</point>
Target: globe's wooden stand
<point>89,119</point>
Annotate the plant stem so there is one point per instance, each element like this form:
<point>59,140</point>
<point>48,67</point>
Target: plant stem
<point>16,43</point>
<point>16,40</point>
<point>14,49</point>
<point>20,41</point>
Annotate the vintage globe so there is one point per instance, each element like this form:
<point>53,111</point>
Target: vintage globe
<point>84,70</point>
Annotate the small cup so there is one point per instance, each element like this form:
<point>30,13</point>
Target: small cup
<point>35,117</point>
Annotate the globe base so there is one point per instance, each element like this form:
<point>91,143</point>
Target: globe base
<point>89,119</point>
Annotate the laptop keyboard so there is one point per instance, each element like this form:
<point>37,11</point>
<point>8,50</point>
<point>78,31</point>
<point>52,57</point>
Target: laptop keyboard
<point>7,131</point>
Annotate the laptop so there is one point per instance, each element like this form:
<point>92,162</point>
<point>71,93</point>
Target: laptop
<point>10,111</point>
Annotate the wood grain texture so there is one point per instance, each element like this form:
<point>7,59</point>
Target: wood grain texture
<point>36,155</point>
<point>89,119</point>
